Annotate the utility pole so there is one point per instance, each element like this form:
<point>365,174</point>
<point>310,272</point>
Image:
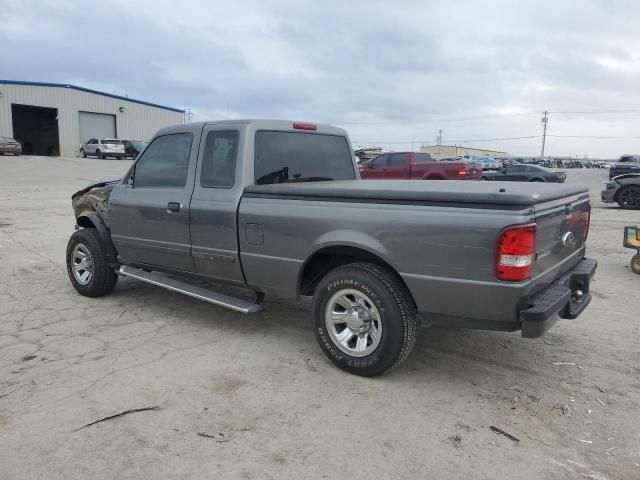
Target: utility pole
<point>413,139</point>
<point>188,115</point>
<point>439,139</point>
<point>544,121</point>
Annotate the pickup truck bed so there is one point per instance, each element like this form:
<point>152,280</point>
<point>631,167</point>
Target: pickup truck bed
<point>446,253</point>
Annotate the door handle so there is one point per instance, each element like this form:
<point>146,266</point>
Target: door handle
<point>173,207</point>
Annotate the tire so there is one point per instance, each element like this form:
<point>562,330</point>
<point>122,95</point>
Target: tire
<point>101,277</point>
<point>635,263</point>
<point>99,155</point>
<point>83,154</point>
<point>629,198</point>
<point>536,180</point>
<point>385,319</point>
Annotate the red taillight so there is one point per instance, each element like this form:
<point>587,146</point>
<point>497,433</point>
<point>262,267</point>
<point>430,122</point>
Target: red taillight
<point>516,253</point>
<point>462,171</point>
<point>304,126</point>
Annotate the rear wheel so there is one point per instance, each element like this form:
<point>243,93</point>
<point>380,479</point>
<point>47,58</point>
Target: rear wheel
<point>99,155</point>
<point>635,263</point>
<point>629,198</point>
<point>87,264</point>
<point>364,319</point>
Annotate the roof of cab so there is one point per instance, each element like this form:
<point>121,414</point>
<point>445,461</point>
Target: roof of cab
<point>258,124</point>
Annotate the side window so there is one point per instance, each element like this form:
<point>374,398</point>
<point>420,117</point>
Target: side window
<point>164,163</point>
<point>380,161</point>
<point>219,159</point>
<point>397,159</point>
<point>423,157</point>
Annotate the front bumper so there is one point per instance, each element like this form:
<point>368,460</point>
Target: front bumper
<point>559,300</point>
<point>607,195</point>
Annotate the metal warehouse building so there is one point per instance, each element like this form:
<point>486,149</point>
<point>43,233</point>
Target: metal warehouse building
<point>54,119</point>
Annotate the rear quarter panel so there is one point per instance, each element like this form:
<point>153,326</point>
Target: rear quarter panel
<point>445,255</point>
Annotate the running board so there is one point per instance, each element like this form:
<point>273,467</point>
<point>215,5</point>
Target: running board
<point>200,293</point>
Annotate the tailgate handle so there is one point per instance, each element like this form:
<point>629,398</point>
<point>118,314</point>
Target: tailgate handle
<point>173,207</point>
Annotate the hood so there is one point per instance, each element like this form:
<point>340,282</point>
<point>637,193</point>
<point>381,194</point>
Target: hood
<point>99,183</point>
<point>626,175</point>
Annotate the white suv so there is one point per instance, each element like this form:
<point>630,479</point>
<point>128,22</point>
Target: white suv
<point>103,148</point>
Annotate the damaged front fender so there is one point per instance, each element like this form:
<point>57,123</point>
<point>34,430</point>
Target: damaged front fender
<point>94,198</point>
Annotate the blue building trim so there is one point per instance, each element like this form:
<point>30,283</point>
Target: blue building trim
<point>88,90</point>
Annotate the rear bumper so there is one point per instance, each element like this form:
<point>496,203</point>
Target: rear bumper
<point>559,300</point>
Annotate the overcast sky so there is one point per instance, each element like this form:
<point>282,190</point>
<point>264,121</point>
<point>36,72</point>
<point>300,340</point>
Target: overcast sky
<point>388,72</point>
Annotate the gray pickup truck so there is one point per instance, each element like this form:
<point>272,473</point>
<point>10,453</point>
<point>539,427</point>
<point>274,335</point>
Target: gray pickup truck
<point>278,208</point>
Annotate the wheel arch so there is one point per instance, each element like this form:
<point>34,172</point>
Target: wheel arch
<point>331,255</point>
<point>435,176</point>
<point>89,219</point>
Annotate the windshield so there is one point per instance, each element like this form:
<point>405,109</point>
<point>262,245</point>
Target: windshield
<point>288,157</point>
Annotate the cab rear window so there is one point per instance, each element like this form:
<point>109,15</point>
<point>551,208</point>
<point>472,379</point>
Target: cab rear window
<point>289,157</point>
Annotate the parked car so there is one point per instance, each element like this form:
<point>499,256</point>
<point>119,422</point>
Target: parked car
<point>623,190</point>
<point>525,173</point>
<point>103,148</point>
<point>278,208</point>
<point>487,162</point>
<point>419,166</point>
<point>132,148</point>
<point>626,164</point>
<point>10,145</point>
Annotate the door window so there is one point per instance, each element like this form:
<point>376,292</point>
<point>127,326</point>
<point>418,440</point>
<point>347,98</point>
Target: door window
<point>164,163</point>
<point>219,159</point>
<point>380,161</point>
<point>397,159</point>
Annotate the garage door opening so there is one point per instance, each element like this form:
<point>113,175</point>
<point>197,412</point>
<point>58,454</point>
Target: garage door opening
<point>96,125</point>
<point>37,129</point>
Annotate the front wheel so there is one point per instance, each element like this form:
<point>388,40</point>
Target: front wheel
<point>83,154</point>
<point>364,318</point>
<point>87,264</point>
<point>629,198</point>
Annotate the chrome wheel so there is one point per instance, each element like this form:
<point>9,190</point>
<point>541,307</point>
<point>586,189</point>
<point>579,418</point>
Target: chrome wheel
<point>353,322</point>
<point>82,264</point>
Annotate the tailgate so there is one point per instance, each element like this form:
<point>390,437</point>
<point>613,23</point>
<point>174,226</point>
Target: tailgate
<point>562,226</point>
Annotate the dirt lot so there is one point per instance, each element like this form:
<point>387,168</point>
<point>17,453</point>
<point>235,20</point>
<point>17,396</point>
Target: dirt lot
<point>270,403</point>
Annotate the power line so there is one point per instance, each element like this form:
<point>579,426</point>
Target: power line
<point>595,112</point>
<point>593,136</point>
<point>451,140</point>
<point>438,120</point>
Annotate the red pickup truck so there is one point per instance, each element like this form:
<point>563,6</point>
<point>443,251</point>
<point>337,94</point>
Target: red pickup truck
<point>419,166</point>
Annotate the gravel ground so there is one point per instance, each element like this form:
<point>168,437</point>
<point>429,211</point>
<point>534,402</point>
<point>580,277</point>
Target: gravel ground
<point>254,397</point>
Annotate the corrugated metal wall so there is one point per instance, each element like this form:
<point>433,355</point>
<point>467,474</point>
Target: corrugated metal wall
<point>137,122</point>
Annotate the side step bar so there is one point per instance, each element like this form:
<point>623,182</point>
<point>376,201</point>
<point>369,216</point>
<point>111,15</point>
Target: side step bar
<point>200,293</point>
